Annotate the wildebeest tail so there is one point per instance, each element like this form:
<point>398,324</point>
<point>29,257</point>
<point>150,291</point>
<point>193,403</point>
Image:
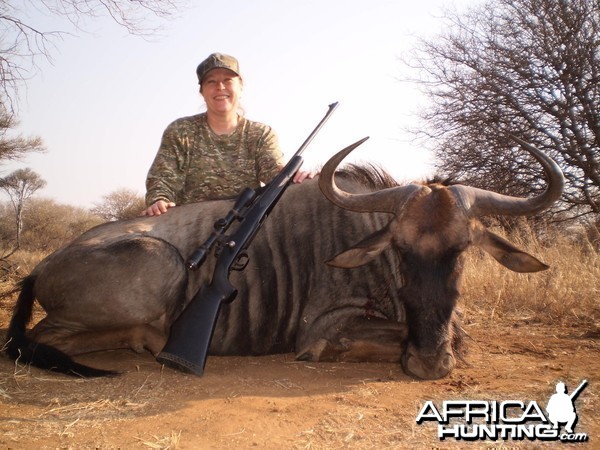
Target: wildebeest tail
<point>21,348</point>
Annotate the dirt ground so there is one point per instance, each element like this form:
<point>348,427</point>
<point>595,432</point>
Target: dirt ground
<point>274,402</point>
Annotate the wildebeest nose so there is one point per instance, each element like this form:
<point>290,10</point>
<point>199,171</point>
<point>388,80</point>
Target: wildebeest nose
<point>447,364</point>
<point>428,368</point>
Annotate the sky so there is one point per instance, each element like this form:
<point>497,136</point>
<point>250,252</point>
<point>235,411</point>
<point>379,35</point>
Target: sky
<point>103,102</point>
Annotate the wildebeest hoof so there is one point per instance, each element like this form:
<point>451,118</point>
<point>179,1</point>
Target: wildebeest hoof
<point>137,347</point>
<point>313,352</point>
<point>345,343</point>
<point>306,356</point>
<point>321,350</point>
<point>146,337</point>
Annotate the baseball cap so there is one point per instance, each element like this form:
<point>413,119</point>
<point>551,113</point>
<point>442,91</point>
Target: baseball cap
<point>217,61</point>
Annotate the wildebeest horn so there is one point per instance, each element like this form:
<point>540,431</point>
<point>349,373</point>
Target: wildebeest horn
<point>480,202</point>
<point>385,200</point>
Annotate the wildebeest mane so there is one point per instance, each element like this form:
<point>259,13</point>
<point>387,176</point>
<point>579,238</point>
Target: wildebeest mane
<point>444,181</point>
<point>376,178</point>
<point>368,175</point>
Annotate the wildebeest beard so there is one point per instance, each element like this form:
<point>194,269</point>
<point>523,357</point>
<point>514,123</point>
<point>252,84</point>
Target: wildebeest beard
<point>429,295</point>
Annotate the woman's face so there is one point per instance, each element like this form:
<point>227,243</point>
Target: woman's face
<point>221,89</point>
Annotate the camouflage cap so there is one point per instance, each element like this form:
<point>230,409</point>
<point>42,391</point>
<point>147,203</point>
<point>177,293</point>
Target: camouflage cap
<point>217,61</point>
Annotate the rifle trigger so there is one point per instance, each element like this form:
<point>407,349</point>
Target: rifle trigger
<point>241,262</point>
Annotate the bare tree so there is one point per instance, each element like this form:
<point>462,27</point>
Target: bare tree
<point>121,204</point>
<point>23,42</point>
<point>20,185</point>
<point>14,147</point>
<point>526,67</point>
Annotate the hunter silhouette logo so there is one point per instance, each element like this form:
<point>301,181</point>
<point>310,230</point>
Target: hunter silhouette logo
<point>561,407</point>
<point>472,420</point>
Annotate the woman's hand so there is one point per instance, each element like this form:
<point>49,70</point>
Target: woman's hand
<point>157,208</point>
<point>302,175</point>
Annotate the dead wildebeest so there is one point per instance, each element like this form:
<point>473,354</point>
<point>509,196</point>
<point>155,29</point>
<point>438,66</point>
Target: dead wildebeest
<point>391,297</point>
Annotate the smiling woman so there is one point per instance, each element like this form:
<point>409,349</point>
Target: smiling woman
<point>214,154</point>
<point>221,90</point>
<point>221,86</point>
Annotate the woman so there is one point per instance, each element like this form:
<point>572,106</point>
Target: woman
<point>217,153</point>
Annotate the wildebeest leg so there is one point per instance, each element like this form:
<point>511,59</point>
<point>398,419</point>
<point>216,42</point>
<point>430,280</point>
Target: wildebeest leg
<point>360,339</point>
<point>137,338</point>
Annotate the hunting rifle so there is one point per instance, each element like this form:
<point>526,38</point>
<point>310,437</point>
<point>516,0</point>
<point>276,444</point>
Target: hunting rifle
<point>191,333</point>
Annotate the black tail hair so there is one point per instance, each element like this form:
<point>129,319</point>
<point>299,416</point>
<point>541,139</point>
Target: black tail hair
<point>21,348</point>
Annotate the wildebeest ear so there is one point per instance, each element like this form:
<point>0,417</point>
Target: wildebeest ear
<point>363,252</point>
<point>508,255</point>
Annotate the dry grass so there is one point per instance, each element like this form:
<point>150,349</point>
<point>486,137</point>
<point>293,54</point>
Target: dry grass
<point>164,443</point>
<point>20,263</point>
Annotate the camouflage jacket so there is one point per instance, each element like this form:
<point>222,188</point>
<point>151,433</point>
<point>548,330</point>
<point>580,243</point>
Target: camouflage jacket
<point>193,163</point>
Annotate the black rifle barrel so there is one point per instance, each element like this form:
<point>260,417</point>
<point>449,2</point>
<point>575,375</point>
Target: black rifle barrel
<point>311,136</point>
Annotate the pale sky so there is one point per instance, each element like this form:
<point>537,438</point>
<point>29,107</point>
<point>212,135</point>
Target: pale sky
<point>103,103</point>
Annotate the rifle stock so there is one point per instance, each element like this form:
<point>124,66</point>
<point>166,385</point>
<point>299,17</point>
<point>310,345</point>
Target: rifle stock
<point>189,341</point>
<point>191,333</point>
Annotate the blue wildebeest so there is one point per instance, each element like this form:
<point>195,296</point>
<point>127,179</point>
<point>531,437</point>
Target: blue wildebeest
<point>389,297</point>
